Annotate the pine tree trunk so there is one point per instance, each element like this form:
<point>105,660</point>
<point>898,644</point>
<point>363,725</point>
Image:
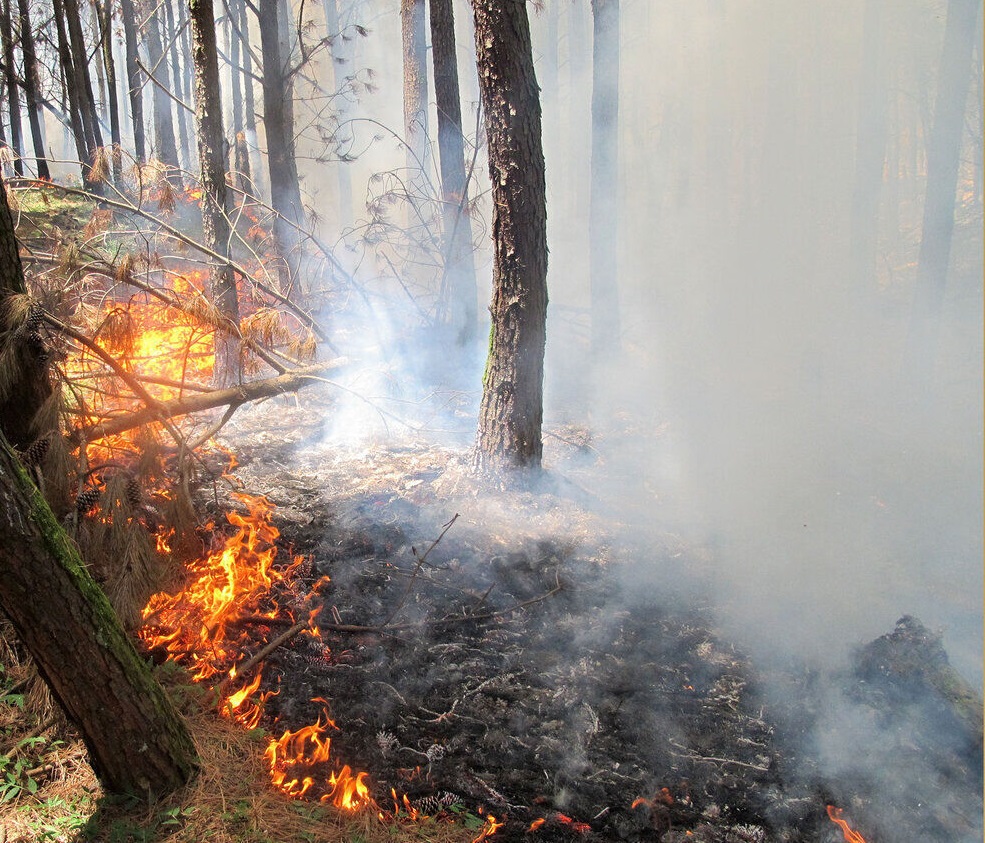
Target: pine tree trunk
<point>31,89</point>
<point>249,111</point>
<point>511,412</point>
<point>105,15</point>
<point>83,81</point>
<point>184,139</point>
<point>459,271</point>
<point>413,27</point>
<point>82,148</point>
<point>137,742</point>
<point>604,194</point>
<point>215,200</point>
<point>134,89</point>
<point>285,192</point>
<point>10,78</point>
<point>167,150</point>
<point>943,161</point>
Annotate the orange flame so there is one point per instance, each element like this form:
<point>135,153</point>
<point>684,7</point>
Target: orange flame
<point>491,827</point>
<point>851,836</point>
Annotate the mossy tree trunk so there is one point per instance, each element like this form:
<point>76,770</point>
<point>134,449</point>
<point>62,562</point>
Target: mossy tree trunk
<point>512,408</point>
<point>137,742</point>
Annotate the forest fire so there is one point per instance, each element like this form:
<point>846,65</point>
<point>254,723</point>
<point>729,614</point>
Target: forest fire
<point>851,836</point>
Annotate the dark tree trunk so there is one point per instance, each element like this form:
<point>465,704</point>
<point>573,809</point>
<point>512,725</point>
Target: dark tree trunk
<point>184,139</point>
<point>83,81</point>
<point>943,160</point>
<point>459,274</point>
<point>242,175</point>
<point>10,78</point>
<point>604,195</point>
<point>511,412</point>
<point>134,83</point>
<point>413,25</point>
<point>167,150</point>
<point>25,387</point>
<point>105,14</point>
<point>137,742</point>
<point>285,192</point>
<point>31,89</point>
<point>82,147</point>
<point>249,111</point>
<point>870,144</point>
<point>215,204</point>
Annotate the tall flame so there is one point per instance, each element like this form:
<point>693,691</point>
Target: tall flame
<point>851,836</point>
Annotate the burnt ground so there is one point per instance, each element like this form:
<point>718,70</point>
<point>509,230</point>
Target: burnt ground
<point>532,666</point>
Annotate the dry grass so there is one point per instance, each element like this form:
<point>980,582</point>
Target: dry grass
<point>230,801</point>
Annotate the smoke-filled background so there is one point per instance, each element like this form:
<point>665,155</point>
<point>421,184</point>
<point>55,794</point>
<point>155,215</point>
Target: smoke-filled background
<point>762,406</point>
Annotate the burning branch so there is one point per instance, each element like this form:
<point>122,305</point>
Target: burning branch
<point>232,397</point>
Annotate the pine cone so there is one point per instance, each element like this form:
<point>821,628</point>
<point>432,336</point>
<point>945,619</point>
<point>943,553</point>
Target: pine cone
<point>36,453</point>
<point>133,492</point>
<point>35,318</point>
<point>87,500</point>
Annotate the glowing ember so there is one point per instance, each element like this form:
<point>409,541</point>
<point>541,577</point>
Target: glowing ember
<point>851,836</point>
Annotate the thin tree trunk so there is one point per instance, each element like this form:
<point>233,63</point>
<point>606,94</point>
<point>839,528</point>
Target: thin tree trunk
<point>285,192</point>
<point>167,150</point>
<point>10,78</point>
<point>83,81</point>
<point>31,89</point>
<point>137,741</point>
<point>604,194</point>
<point>943,160</point>
<point>249,111</point>
<point>134,83</point>
<point>511,412</point>
<point>82,147</point>
<point>215,200</point>
<point>413,27</point>
<point>459,274</point>
<point>171,32</point>
<point>105,13</point>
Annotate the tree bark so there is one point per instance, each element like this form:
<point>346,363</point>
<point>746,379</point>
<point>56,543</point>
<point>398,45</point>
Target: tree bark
<point>134,85</point>
<point>285,191</point>
<point>104,13</point>
<point>31,89</point>
<point>10,79</point>
<point>511,412</point>
<point>83,81</point>
<point>167,149</point>
<point>25,387</point>
<point>215,197</point>
<point>249,111</point>
<point>82,148</point>
<point>943,160</point>
<point>184,140</point>
<point>459,270</point>
<point>412,29</point>
<point>137,742</point>
<point>604,193</point>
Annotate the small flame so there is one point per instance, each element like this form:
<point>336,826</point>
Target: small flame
<point>489,829</point>
<point>851,836</point>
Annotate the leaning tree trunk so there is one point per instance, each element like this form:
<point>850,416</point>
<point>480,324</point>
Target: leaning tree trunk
<point>511,412</point>
<point>82,147</point>
<point>459,274</point>
<point>215,201</point>
<point>137,742</point>
<point>10,78</point>
<point>134,84</point>
<point>604,195</point>
<point>943,161</point>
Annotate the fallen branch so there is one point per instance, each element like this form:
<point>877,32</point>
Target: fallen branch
<point>161,411</point>
<point>243,670</point>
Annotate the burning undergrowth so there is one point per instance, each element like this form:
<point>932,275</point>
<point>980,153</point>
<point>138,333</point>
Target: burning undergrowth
<point>530,672</point>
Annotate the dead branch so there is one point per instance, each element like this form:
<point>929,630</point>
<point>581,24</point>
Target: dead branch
<point>162,411</point>
<point>244,669</point>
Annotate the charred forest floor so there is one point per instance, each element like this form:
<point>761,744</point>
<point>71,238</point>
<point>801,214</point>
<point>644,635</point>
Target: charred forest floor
<point>511,651</point>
